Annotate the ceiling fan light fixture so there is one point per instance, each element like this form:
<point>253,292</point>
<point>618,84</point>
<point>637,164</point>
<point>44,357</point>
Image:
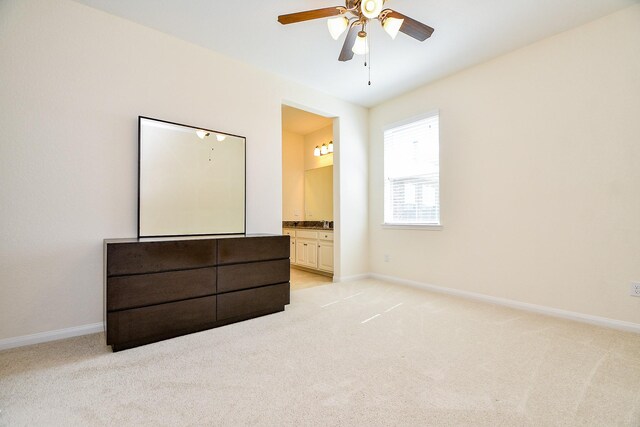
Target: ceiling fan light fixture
<point>371,8</point>
<point>392,26</point>
<point>361,46</point>
<point>337,26</point>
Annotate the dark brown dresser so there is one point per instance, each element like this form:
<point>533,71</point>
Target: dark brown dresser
<point>162,288</point>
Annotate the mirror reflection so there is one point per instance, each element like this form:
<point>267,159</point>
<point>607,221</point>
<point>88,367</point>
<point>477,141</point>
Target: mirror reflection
<point>192,180</point>
<point>318,194</point>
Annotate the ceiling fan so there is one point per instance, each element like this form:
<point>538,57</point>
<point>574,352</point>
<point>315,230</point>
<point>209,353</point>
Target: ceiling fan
<point>355,16</point>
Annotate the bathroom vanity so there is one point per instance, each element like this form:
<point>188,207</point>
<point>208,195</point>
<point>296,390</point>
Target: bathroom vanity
<point>311,247</point>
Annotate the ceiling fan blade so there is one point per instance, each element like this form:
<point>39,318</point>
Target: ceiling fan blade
<point>347,54</point>
<point>308,15</point>
<point>411,27</point>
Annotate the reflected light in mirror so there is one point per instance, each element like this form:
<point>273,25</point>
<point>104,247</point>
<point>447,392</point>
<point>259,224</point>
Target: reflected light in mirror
<point>202,134</point>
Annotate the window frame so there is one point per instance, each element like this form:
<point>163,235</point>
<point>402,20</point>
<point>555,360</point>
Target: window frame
<point>413,226</point>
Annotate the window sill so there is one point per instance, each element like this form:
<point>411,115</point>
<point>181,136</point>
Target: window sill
<point>425,227</point>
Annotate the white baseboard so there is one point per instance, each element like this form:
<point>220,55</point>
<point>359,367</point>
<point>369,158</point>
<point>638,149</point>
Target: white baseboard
<point>540,309</point>
<point>351,278</point>
<point>58,334</point>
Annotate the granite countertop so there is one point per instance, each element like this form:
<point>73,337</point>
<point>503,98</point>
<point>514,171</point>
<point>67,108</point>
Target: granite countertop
<point>310,228</point>
<point>307,225</point>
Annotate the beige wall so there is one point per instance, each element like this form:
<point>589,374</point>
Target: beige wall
<point>72,82</point>
<point>292,177</point>
<point>540,170</point>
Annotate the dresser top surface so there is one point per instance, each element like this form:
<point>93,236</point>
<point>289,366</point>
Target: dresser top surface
<point>181,238</point>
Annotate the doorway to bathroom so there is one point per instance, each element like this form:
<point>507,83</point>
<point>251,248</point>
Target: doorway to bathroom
<point>308,195</point>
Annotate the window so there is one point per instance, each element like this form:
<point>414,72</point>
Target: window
<point>412,173</point>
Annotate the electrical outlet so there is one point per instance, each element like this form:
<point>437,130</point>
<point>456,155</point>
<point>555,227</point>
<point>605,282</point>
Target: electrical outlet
<point>387,258</point>
<point>635,289</point>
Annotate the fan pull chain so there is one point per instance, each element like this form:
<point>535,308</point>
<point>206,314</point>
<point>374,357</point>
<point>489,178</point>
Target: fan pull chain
<point>369,42</point>
<point>364,28</point>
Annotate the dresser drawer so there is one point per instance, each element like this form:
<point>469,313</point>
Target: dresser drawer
<point>242,276</point>
<point>233,251</point>
<point>268,299</point>
<point>152,257</point>
<point>157,322</point>
<point>146,289</point>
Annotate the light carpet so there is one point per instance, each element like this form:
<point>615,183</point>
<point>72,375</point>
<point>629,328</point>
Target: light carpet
<point>363,353</point>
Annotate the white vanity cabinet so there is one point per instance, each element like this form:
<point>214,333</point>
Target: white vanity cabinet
<point>306,253</point>
<point>325,251</point>
<point>307,248</point>
<point>311,248</point>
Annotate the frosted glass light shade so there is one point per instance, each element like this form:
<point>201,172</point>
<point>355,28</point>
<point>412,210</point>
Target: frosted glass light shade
<point>392,26</point>
<point>331,147</point>
<point>371,8</point>
<point>324,150</point>
<point>361,47</point>
<point>316,151</point>
<point>202,133</point>
<point>221,138</point>
<point>337,26</point>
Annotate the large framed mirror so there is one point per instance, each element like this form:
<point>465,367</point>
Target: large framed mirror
<point>318,194</point>
<point>192,181</point>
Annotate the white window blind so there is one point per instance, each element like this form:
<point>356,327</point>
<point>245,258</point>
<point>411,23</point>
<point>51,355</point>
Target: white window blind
<point>412,173</point>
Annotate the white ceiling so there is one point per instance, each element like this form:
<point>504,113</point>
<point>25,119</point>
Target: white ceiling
<point>467,32</point>
<point>302,122</point>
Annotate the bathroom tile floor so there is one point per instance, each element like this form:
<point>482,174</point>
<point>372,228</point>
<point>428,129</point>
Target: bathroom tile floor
<point>301,279</point>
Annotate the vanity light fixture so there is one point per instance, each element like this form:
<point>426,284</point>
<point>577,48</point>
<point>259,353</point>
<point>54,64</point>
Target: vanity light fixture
<point>220,137</point>
<point>323,150</point>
